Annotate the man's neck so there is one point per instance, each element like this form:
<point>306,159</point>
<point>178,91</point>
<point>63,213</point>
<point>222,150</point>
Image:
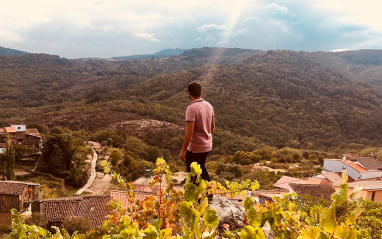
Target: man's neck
<point>195,98</point>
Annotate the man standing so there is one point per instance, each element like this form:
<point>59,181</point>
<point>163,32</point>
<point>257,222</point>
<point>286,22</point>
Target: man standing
<point>200,120</point>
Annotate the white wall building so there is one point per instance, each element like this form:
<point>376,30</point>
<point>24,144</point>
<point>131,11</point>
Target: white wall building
<point>353,168</point>
<point>20,127</point>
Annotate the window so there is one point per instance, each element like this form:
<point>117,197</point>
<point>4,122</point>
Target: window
<point>373,196</point>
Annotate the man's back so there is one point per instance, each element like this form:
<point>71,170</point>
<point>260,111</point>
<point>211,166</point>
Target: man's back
<point>201,113</point>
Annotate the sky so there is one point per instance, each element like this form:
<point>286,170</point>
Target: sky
<point>107,28</point>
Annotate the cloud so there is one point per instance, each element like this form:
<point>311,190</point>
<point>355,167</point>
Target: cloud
<point>339,50</point>
<point>213,27</point>
<point>149,37</point>
<point>274,7</point>
<point>102,28</point>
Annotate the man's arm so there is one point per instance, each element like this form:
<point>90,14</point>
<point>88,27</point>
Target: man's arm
<point>213,125</point>
<point>187,140</point>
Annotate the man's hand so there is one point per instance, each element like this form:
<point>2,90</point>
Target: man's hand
<point>182,156</point>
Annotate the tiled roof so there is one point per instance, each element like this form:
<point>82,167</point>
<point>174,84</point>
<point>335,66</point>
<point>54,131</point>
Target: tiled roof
<point>355,166</point>
<point>61,210</point>
<point>122,197</point>
<point>333,177</point>
<point>14,187</point>
<point>33,132</point>
<point>314,190</point>
<point>284,181</point>
<point>10,129</point>
<point>2,130</point>
<point>370,163</point>
<point>92,208</point>
<point>367,185</point>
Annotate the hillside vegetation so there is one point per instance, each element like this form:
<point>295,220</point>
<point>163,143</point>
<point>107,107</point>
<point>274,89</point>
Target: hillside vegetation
<point>276,98</point>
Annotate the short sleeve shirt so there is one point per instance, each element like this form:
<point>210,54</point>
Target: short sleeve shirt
<point>201,113</point>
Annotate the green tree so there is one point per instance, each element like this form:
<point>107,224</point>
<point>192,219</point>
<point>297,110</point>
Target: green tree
<point>10,162</point>
<point>57,154</point>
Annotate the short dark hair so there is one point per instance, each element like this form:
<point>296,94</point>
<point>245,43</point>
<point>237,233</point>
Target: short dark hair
<point>195,89</point>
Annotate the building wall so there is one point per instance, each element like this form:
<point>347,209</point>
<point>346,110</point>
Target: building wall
<point>20,127</point>
<point>366,194</point>
<point>7,202</point>
<point>378,196</point>
<point>338,166</point>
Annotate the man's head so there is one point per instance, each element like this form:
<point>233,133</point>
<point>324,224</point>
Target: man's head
<point>195,89</point>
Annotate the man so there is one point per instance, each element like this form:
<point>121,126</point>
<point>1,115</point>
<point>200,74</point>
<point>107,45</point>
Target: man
<point>200,120</point>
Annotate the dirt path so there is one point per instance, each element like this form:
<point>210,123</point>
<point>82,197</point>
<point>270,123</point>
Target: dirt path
<point>101,184</point>
<point>92,174</point>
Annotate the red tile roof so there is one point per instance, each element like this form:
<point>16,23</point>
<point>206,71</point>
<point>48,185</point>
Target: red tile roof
<point>33,132</point>
<point>122,197</point>
<point>314,190</point>
<point>10,129</point>
<point>356,166</point>
<point>14,187</point>
<point>333,177</point>
<point>92,208</point>
<point>284,181</point>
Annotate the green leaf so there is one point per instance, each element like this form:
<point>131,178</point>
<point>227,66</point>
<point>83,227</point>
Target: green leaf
<point>328,220</point>
<point>254,217</point>
<point>187,211</point>
<point>255,185</point>
<point>250,232</point>
<point>309,233</point>
<point>211,218</point>
<point>248,203</point>
<point>191,193</point>
<point>203,205</point>
<point>341,195</point>
<point>354,216</point>
<point>150,233</point>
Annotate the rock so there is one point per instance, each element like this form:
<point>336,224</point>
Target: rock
<point>269,234</point>
<point>229,212</point>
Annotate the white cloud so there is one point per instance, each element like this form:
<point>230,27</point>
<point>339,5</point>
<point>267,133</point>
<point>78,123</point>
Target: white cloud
<point>8,36</point>
<point>209,27</point>
<point>339,50</point>
<point>365,12</point>
<point>274,7</point>
<point>149,37</point>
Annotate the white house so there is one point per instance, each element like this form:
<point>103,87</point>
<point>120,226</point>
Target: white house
<point>356,168</point>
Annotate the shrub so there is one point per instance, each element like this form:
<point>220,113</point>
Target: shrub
<point>37,219</point>
<point>77,224</point>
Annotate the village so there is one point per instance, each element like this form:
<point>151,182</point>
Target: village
<point>365,172</point>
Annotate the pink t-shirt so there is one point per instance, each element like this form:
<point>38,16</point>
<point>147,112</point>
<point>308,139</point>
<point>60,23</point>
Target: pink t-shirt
<point>201,113</point>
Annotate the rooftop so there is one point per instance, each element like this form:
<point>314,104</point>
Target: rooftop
<point>14,187</point>
<point>370,163</point>
<point>10,129</point>
<point>92,208</point>
<point>314,190</point>
<point>367,185</point>
<point>284,181</point>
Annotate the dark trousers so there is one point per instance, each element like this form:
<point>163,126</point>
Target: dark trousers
<point>200,158</point>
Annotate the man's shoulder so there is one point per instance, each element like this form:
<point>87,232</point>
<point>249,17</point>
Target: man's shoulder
<point>208,103</point>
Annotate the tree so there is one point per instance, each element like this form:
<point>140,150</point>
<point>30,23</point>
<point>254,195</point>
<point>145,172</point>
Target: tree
<point>10,162</point>
<point>57,154</point>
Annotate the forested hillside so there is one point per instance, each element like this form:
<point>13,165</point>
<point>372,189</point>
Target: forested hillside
<point>8,51</point>
<point>277,98</point>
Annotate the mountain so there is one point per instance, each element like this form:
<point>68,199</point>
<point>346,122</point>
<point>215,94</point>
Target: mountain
<point>161,54</point>
<point>8,51</point>
<point>279,98</point>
